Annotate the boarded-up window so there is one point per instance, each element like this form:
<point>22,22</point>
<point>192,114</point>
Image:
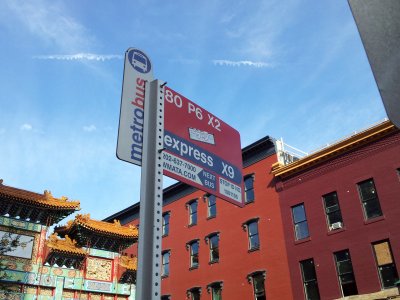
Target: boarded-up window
<point>385,263</point>
<point>382,252</point>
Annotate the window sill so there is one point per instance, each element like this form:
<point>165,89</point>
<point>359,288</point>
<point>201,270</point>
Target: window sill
<point>334,231</point>
<point>193,268</point>
<point>253,249</point>
<point>249,202</point>
<point>164,276</point>
<point>373,220</point>
<point>165,235</point>
<point>214,262</point>
<point>191,225</point>
<point>305,240</point>
<point>212,217</point>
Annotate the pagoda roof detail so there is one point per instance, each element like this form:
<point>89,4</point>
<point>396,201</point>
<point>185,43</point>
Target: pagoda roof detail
<point>99,234</point>
<point>66,245</point>
<point>64,252</point>
<point>45,200</point>
<point>34,207</point>
<point>106,228</point>
<point>129,263</point>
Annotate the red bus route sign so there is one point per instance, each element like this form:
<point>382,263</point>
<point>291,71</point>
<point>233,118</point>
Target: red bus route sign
<point>201,150</point>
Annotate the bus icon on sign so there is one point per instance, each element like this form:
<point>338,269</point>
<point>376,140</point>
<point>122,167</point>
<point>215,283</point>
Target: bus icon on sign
<point>139,61</point>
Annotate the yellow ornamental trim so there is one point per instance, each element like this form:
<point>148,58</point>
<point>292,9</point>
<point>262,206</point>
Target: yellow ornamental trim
<point>39,200</point>
<point>130,263</point>
<point>115,229</point>
<point>64,245</point>
<point>48,196</point>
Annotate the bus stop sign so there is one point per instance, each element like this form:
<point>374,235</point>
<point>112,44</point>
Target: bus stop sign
<point>201,150</point>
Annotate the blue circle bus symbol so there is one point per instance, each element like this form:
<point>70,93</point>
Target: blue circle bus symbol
<point>139,61</point>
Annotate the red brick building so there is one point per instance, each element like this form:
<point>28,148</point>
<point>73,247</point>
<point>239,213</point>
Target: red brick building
<point>212,248</point>
<point>322,227</point>
<point>341,216</point>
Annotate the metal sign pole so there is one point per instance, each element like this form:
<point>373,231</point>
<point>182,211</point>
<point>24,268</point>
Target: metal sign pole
<point>148,286</point>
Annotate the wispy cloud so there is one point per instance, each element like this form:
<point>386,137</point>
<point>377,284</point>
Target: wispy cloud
<point>26,127</point>
<point>259,34</point>
<point>89,128</point>
<point>51,22</point>
<point>330,49</point>
<point>247,63</point>
<point>227,18</point>
<point>80,56</point>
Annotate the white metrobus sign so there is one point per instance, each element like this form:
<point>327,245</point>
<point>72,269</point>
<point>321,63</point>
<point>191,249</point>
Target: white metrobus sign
<point>137,71</point>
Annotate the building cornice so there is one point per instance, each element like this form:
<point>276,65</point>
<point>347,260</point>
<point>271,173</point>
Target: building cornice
<point>355,141</point>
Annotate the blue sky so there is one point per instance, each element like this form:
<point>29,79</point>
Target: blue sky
<point>292,69</point>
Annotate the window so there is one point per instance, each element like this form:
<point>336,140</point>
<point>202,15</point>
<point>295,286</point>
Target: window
<point>249,188</point>
<point>332,211</point>
<point>211,206</point>
<point>309,279</point>
<point>386,265</point>
<point>193,247</point>
<point>215,289</point>
<point>165,297</point>
<point>252,233</point>
<point>165,223</point>
<point>194,293</point>
<point>345,273</point>
<point>369,199</point>
<point>300,222</point>
<point>192,212</point>
<point>213,242</point>
<point>165,263</point>
<point>258,280</point>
